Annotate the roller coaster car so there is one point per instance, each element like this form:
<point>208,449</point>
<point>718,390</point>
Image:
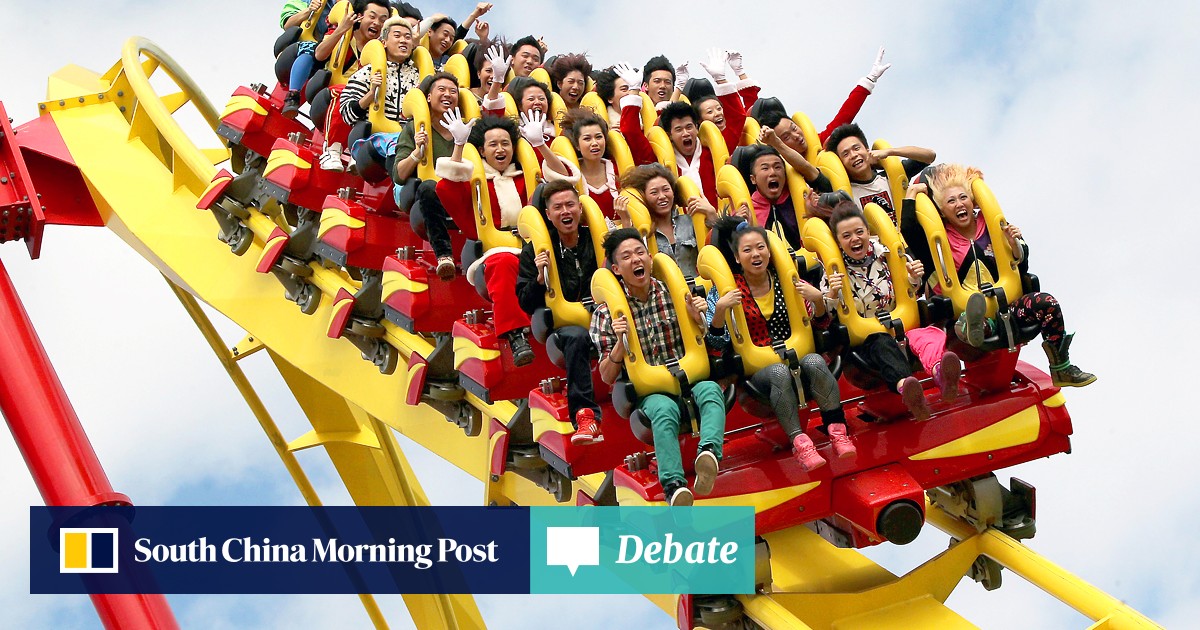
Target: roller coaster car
<point>353,233</point>
<point>552,428</point>
<point>293,175</point>
<point>415,299</point>
<point>877,495</point>
<point>1011,280</point>
<point>485,363</point>
<point>253,120</point>
<point>904,316</point>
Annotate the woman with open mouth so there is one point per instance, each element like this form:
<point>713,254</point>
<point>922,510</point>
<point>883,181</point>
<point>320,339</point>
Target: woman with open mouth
<point>569,74</point>
<point>971,247</point>
<point>868,282</point>
<point>761,295</point>
<point>674,233</point>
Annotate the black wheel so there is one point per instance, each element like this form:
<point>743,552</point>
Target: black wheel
<point>309,300</point>
<point>386,358</point>
<point>473,423</point>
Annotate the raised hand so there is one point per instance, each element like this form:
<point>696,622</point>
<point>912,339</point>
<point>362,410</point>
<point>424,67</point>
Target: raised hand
<point>482,30</point>
<point>630,75</point>
<point>681,76</point>
<point>459,129</point>
<point>533,127</point>
<point>715,66</point>
<point>500,62</point>
<point>735,62</point>
<point>878,67</point>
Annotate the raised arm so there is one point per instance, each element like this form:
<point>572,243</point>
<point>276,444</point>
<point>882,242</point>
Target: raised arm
<point>325,48</point>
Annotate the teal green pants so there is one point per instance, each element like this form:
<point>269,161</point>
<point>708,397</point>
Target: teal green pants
<point>663,412</point>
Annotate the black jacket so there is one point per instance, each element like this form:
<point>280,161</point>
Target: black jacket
<point>575,271</point>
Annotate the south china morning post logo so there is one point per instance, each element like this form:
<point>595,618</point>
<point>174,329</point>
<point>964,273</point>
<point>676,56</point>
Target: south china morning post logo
<point>642,550</point>
<point>88,550</point>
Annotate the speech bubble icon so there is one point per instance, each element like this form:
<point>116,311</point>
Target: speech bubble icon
<point>572,547</point>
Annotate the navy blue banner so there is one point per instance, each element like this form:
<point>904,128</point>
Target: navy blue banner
<point>270,550</point>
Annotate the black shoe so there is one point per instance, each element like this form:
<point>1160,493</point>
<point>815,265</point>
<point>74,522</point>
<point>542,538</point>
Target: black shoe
<point>291,104</point>
<point>521,352</point>
<point>678,496</point>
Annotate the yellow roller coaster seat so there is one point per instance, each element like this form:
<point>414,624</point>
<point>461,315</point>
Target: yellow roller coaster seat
<point>533,228</point>
<point>710,136</point>
<point>750,132</point>
<point>309,26</point>
<point>811,138</point>
<point>819,239</point>
<point>656,379</point>
<point>831,166</point>
<point>712,265</point>
<point>592,101</point>
<point>416,109</point>
<point>946,272</point>
<point>660,143</point>
<point>374,55</point>
<point>619,153</point>
<point>893,167</point>
<point>733,192</point>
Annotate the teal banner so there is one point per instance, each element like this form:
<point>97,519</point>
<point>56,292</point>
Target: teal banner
<point>653,550</point>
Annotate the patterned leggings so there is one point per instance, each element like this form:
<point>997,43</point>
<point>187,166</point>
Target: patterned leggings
<point>1043,309</point>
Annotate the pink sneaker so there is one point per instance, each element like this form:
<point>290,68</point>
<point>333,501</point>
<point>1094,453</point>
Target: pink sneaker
<point>946,376</point>
<point>914,398</point>
<point>806,453</point>
<point>588,431</point>
<point>842,446</point>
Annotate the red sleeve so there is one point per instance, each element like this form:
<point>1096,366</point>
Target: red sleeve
<point>735,119</point>
<point>749,96</point>
<point>635,137</point>
<point>499,113</point>
<point>456,199</point>
<point>849,110</point>
<point>708,177</point>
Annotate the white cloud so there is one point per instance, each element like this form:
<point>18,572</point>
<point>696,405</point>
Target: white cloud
<point>1079,114</point>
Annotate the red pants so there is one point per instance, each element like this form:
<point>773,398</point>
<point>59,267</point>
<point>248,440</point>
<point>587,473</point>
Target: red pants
<point>336,129</point>
<point>500,274</point>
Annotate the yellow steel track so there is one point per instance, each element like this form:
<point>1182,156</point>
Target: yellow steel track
<point>145,175</point>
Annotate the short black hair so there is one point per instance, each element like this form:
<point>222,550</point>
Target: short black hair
<point>553,187</point>
<point>654,65</point>
<point>427,82</point>
<point>675,111</point>
<point>615,238</point>
<point>606,83</point>
<point>444,20</point>
<point>379,3</point>
<point>848,130</point>
<point>746,161</point>
<point>528,40</point>
<point>406,10</point>
<point>488,123</point>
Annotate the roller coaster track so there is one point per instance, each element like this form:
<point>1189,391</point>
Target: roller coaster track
<point>144,175</point>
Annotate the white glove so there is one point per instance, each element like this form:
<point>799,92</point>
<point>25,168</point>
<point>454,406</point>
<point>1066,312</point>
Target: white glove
<point>629,75</point>
<point>681,76</point>
<point>459,129</point>
<point>500,63</point>
<point>533,128</point>
<point>716,64</point>
<point>877,70</point>
<point>735,62</point>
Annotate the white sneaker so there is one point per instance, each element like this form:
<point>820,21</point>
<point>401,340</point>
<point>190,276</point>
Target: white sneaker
<point>331,159</point>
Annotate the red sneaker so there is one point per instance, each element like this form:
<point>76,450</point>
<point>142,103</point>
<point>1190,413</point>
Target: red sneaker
<point>842,446</point>
<point>589,430</point>
<point>806,453</point>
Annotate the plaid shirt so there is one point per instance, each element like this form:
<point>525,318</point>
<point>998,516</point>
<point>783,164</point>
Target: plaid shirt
<point>655,321</point>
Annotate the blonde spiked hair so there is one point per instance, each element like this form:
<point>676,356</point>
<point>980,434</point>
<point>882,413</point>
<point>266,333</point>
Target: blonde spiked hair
<point>946,176</point>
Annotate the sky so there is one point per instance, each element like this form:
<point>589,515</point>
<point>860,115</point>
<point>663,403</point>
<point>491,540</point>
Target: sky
<point>1069,108</point>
